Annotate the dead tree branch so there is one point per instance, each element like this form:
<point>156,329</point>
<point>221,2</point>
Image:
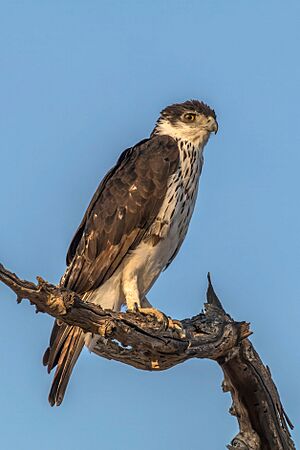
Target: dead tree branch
<point>143,341</point>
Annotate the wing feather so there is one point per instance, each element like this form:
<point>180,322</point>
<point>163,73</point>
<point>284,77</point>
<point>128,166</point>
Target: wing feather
<point>120,213</point>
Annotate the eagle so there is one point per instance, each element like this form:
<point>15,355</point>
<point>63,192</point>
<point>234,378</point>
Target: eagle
<point>133,227</point>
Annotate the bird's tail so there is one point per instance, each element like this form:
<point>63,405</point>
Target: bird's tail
<point>66,343</point>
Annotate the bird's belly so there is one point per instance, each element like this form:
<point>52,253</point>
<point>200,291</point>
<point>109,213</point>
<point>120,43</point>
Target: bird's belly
<point>148,261</point>
<point>153,254</point>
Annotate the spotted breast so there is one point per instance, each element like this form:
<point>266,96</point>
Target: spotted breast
<point>175,214</point>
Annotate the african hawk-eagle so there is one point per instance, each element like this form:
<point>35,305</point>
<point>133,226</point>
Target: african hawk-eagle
<point>133,227</point>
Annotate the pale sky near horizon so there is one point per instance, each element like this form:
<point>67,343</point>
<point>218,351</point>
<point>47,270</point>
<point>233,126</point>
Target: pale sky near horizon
<point>80,82</point>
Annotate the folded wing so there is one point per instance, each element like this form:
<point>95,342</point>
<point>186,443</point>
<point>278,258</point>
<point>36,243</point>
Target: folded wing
<point>120,213</point>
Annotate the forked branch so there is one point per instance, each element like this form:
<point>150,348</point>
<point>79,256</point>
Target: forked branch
<point>143,341</point>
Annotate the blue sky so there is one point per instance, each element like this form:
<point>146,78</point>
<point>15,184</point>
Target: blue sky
<point>79,82</point>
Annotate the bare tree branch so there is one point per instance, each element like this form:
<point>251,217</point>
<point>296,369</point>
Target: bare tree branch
<point>148,343</point>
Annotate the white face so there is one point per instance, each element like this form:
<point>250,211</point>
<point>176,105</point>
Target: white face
<point>190,126</point>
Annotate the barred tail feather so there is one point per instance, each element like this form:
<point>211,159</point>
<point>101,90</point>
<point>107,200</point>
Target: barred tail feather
<point>66,343</point>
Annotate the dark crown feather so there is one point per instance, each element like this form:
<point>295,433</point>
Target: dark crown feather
<point>177,109</point>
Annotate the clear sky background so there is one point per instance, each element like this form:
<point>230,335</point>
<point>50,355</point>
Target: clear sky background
<point>79,82</point>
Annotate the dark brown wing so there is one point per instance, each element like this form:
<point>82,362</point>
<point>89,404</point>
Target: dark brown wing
<point>79,232</point>
<point>121,211</point>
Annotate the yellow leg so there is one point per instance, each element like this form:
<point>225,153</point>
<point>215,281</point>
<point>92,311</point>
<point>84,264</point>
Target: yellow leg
<point>161,317</point>
<point>134,303</point>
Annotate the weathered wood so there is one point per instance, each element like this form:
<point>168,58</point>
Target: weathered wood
<point>148,343</point>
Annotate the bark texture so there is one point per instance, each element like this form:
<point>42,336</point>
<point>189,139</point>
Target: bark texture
<point>156,342</point>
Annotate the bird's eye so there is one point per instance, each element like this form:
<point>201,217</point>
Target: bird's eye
<point>189,117</point>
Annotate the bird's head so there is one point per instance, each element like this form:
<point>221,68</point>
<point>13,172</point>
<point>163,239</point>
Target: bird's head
<point>192,121</point>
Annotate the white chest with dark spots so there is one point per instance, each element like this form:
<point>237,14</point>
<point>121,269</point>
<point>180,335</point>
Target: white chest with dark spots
<point>176,211</point>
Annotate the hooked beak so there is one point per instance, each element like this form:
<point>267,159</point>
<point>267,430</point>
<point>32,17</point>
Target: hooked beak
<point>216,127</point>
<point>212,125</point>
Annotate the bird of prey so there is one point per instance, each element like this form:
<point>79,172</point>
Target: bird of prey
<point>133,226</point>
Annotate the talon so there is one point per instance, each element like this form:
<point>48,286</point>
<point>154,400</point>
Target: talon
<point>154,312</point>
<point>134,307</point>
<point>175,324</point>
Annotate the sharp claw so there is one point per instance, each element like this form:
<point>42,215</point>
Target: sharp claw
<point>134,307</point>
<point>175,324</point>
<point>154,312</point>
<point>162,318</point>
